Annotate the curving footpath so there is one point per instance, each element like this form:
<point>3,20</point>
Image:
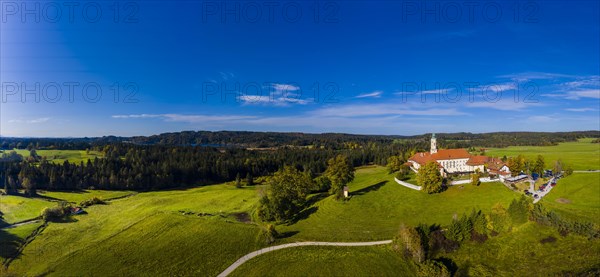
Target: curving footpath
<point>247,257</point>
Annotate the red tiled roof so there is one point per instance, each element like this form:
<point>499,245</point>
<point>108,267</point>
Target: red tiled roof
<point>477,160</point>
<point>495,164</point>
<point>443,154</point>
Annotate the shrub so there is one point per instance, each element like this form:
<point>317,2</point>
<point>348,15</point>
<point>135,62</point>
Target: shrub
<point>431,268</point>
<point>57,212</point>
<point>438,242</point>
<point>410,243</point>
<point>92,201</point>
<point>460,230</point>
<point>548,239</point>
<point>518,210</point>
<point>481,270</point>
<point>268,234</point>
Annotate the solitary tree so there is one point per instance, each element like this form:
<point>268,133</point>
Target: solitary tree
<point>429,178</point>
<point>340,172</point>
<point>538,166</point>
<point>286,195</point>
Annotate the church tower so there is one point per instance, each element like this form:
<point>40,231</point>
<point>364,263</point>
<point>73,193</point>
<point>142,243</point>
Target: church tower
<point>433,144</point>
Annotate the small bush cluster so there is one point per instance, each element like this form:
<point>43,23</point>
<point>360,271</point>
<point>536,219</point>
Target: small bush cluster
<point>57,212</point>
<point>268,234</point>
<point>542,216</point>
<point>92,201</point>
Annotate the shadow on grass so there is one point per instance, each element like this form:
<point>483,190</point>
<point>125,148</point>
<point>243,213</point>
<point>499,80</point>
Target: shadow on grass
<point>288,234</point>
<point>9,243</point>
<point>67,219</point>
<point>368,189</point>
<point>304,214</point>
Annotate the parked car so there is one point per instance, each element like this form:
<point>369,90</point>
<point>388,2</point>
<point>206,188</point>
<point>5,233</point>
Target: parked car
<point>535,196</point>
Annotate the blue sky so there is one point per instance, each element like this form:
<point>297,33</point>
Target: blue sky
<point>378,67</point>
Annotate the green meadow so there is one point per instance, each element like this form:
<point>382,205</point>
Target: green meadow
<point>201,231</point>
<point>59,156</point>
<point>378,205</point>
<point>581,155</point>
<point>576,197</point>
<point>180,232</point>
<point>328,261</point>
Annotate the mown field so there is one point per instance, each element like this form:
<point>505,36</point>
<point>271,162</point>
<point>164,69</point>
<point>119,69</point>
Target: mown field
<point>576,197</point>
<point>59,156</point>
<point>581,155</point>
<point>328,261</point>
<point>180,232</point>
<point>19,208</point>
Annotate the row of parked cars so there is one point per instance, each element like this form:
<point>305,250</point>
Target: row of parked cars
<point>543,187</point>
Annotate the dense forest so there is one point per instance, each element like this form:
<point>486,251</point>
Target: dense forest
<point>200,158</point>
<point>151,167</point>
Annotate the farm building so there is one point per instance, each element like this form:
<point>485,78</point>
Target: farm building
<point>457,161</point>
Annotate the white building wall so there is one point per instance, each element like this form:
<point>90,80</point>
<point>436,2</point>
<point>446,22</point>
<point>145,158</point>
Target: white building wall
<point>455,165</point>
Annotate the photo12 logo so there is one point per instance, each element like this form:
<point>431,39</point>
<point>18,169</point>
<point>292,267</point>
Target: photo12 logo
<point>54,92</point>
<point>454,92</point>
<point>474,12</point>
<point>270,11</point>
<point>69,11</point>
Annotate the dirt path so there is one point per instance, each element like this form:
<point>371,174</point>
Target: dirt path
<point>247,257</point>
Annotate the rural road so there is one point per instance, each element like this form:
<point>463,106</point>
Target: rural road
<point>247,257</point>
<point>20,223</point>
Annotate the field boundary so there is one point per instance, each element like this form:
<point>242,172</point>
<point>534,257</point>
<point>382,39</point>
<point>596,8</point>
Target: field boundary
<point>27,241</point>
<point>251,255</point>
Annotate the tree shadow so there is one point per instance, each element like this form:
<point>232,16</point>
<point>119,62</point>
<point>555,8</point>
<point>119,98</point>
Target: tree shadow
<point>287,234</point>
<point>44,197</point>
<point>368,189</point>
<point>304,214</point>
<point>316,198</point>
<point>66,219</point>
<point>9,243</point>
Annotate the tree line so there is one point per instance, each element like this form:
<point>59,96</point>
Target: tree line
<point>276,139</point>
<point>154,167</point>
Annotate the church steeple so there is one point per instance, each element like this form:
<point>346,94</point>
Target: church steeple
<point>433,144</point>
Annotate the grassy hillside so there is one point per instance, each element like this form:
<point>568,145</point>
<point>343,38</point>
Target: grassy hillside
<point>148,233</point>
<point>521,253</point>
<point>18,208</point>
<point>328,261</point>
<point>581,155</point>
<point>59,156</point>
<point>199,231</point>
<point>379,205</point>
<point>576,197</point>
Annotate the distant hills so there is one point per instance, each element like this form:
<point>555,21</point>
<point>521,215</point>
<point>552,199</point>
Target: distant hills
<point>279,139</point>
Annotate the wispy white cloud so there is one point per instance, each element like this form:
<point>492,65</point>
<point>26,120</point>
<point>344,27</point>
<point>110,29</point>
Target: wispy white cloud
<point>542,118</point>
<point>280,95</point>
<point>384,109</point>
<point>503,104</point>
<point>374,94</point>
<point>30,121</point>
<point>187,118</point>
<point>584,93</point>
<point>580,110</point>
<point>526,76</point>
